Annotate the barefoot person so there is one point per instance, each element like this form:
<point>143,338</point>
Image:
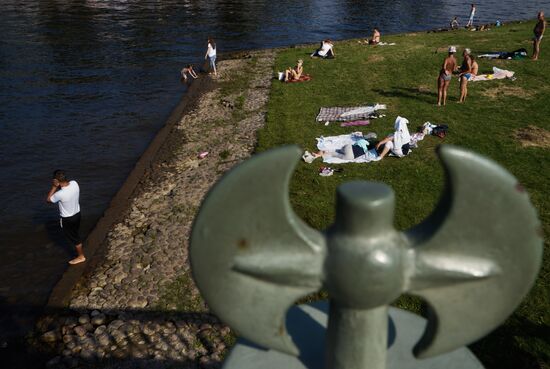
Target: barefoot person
<point>66,194</point>
<point>325,51</point>
<point>466,76</point>
<point>211,55</point>
<point>472,14</point>
<point>454,23</point>
<point>539,29</point>
<point>294,74</point>
<point>444,78</point>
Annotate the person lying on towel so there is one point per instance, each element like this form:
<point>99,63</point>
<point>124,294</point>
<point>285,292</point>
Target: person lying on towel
<point>398,143</point>
<point>348,152</point>
<point>294,74</point>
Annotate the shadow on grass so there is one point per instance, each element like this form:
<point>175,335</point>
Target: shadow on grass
<point>409,93</point>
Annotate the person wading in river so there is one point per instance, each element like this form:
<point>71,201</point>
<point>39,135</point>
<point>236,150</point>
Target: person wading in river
<point>66,194</point>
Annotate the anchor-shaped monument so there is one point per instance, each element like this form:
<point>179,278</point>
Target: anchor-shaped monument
<point>472,260</point>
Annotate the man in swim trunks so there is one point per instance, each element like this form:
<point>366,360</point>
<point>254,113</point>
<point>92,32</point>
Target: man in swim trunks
<point>539,29</point>
<point>467,75</point>
<point>444,78</point>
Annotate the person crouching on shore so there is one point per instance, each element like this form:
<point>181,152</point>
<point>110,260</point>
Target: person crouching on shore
<point>66,194</point>
<point>188,70</point>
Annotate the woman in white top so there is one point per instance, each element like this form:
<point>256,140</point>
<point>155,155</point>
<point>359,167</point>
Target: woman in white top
<point>398,142</point>
<point>211,55</point>
<point>325,51</point>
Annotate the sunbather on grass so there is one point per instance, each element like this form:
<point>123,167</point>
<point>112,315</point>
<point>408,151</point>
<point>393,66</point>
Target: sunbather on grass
<point>325,51</point>
<point>398,143</point>
<point>293,74</point>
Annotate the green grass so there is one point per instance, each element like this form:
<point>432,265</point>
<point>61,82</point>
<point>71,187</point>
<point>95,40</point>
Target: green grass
<point>404,78</point>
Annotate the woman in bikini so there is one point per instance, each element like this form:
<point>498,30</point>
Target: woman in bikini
<point>466,76</point>
<point>444,78</point>
<point>294,74</point>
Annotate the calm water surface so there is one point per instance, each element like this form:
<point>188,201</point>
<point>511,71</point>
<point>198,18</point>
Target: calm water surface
<point>85,85</point>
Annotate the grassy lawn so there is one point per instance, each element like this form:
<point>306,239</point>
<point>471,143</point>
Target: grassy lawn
<point>404,78</point>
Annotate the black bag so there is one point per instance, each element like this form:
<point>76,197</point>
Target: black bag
<point>440,131</point>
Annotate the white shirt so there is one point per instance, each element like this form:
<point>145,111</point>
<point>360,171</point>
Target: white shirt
<point>211,51</point>
<point>325,48</point>
<point>67,197</point>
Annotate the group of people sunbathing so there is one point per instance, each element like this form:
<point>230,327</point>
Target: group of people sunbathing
<point>466,72</point>
<point>398,144</point>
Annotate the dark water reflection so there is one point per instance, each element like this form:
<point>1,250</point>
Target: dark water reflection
<point>84,85</point>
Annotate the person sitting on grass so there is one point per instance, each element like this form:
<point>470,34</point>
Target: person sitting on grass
<point>188,70</point>
<point>466,76</point>
<point>294,74</point>
<point>398,143</point>
<point>375,40</point>
<point>445,74</point>
<point>454,23</point>
<point>325,51</point>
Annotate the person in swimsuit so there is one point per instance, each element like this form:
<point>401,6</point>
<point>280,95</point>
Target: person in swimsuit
<point>444,78</point>
<point>188,70</point>
<point>539,29</point>
<point>348,152</point>
<point>293,74</point>
<point>375,40</point>
<point>466,76</point>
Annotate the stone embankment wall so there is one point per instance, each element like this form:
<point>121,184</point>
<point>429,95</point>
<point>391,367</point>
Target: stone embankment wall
<point>123,313</point>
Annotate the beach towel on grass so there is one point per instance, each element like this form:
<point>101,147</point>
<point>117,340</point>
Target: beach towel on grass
<point>343,114</point>
<point>515,55</point>
<point>497,74</point>
<point>336,143</point>
<point>355,123</point>
<point>303,78</point>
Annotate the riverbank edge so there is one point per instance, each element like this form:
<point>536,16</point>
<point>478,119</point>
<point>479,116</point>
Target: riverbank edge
<point>119,205</point>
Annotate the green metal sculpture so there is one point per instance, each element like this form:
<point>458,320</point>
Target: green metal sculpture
<point>472,260</point>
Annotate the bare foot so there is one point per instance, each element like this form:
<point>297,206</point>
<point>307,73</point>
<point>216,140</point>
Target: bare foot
<point>77,260</point>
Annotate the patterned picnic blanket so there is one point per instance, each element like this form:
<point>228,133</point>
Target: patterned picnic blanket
<point>343,114</point>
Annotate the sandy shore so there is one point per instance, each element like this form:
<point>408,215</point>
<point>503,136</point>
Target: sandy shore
<point>134,303</point>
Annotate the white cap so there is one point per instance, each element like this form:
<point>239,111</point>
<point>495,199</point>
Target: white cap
<point>452,49</point>
<point>467,51</point>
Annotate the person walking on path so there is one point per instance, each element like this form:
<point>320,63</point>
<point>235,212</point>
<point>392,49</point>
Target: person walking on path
<point>472,14</point>
<point>211,55</point>
<point>539,29</point>
<point>445,74</point>
<point>66,194</point>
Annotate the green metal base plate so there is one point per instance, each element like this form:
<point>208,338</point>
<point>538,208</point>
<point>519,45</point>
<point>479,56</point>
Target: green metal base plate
<point>307,324</point>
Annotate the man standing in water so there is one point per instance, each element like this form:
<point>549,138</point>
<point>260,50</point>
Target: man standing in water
<point>444,78</point>
<point>472,14</point>
<point>66,194</point>
<point>539,29</point>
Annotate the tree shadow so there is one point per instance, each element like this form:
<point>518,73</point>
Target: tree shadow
<point>409,93</point>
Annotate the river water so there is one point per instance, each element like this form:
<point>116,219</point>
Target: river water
<point>86,84</point>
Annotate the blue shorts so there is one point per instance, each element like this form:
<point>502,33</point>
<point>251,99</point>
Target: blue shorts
<point>212,60</point>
